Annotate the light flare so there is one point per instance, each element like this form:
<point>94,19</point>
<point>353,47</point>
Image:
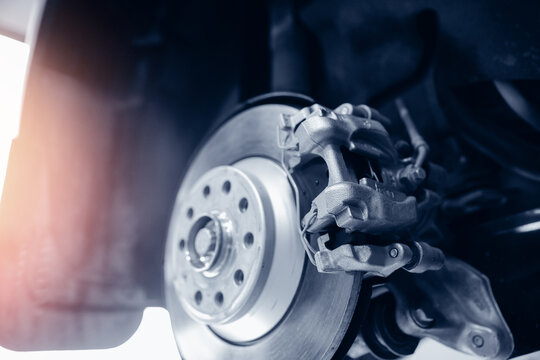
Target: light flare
<point>13,67</point>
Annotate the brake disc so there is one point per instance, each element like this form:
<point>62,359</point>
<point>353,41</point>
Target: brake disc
<point>236,280</point>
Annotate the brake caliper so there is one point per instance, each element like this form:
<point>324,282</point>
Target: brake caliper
<point>378,201</point>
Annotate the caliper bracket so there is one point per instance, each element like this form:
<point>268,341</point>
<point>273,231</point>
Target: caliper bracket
<point>378,260</point>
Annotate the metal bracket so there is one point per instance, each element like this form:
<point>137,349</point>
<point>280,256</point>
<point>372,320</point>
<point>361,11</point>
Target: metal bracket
<point>378,260</point>
<point>454,306</point>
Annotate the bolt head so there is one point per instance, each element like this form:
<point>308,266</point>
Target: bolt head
<point>478,341</point>
<point>418,174</point>
<point>421,318</point>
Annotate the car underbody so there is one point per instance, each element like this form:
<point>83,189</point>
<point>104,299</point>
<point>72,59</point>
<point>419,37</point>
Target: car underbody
<point>290,179</point>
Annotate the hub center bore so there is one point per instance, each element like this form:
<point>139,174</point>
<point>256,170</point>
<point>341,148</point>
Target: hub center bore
<point>204,243</point>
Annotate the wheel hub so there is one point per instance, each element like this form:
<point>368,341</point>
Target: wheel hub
<point>226,252</point>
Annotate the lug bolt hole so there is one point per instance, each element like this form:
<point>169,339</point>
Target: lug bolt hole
<point>219,298</point>
<point>248,240</point>
<point>226,187</point>
<point>238,277</point>
<point>190,213</point>
<point>182,244</point>
<point>198,297</point>
<point>206,191</point>
<point>243,205</point>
